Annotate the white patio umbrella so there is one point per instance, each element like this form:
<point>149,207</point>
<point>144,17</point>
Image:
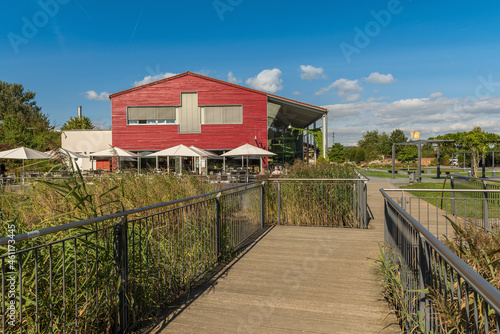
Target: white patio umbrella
<point>248,150</point>
<point>64,155</point>
<point>119,153</point>
<point>176,151</point>
<point>205,154</point>
<point>23,153</point>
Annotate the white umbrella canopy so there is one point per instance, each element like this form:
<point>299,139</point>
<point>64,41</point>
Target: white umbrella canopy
<point>114,152</point>
<point>203,152</point>
<point>177,151</point>
<point>64,153</point>
<point>117,152</point>
<point>248,150</point>
<point>23,153</point>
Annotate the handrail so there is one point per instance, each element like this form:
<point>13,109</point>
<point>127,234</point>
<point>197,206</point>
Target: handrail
<point>446,190</point>
<point>482,286</point>
<point>68,226</point>
<point>288,179</point>
<point>473,178</point>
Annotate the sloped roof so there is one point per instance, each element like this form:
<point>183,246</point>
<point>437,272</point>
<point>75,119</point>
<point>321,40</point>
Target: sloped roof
<point>271,96</point>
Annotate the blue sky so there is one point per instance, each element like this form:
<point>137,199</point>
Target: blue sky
<point>416,65</point>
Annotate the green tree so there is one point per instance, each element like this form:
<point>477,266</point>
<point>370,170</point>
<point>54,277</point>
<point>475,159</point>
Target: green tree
<point>384,144</point>
<point>408,154</point>
<point>398,136</point>
<point>24,124</point>
<point>375,144</point>
<point>355,154</point>
<point>475,141</point>
<point>75,123</point>
<point>337,153</point>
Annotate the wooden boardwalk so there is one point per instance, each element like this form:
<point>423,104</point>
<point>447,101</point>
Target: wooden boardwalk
<point>295,280</point>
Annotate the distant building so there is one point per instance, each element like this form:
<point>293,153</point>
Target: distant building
<point>211,114</point>
<point>87,142</point>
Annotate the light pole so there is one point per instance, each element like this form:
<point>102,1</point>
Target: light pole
<point>492,146</point>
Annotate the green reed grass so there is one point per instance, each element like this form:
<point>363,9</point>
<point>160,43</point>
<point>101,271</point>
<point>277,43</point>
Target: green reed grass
<point>76,281</point>
<point>314,203</point>
<point>481,251</point>
<point>393,275</point>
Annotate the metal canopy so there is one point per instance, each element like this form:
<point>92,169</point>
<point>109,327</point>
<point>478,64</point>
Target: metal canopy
<point>297,114</point>
<point>419,143</point>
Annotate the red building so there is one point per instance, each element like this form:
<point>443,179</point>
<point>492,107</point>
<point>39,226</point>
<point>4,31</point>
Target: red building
<point>211,114</point>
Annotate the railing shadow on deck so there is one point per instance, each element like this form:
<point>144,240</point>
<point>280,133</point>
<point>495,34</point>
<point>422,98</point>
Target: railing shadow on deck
<point>205,285</point>
<point>108,274</point>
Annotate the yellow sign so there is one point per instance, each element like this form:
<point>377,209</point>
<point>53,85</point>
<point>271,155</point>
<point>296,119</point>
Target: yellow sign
<point>415,134</point>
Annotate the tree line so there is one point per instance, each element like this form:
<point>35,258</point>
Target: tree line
<point>24,124</point>
<point>374,145</point>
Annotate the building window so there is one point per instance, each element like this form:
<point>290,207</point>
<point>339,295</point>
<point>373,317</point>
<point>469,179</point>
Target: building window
<point>151,115</point>
<point>223,115</point>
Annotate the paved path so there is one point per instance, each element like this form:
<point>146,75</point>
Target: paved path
<point>296,280</point>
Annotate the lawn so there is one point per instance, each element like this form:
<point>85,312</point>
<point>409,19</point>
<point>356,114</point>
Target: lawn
<point>466,205</point>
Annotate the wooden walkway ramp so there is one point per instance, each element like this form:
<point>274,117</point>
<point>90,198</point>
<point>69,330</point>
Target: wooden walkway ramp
<point>295,280</point>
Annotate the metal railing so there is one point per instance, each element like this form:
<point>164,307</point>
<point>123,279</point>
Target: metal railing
<point>107,274</point>
<point>318,202</point>
<point>440,292</point>
<point>480,208</point>
<point>487,200</point>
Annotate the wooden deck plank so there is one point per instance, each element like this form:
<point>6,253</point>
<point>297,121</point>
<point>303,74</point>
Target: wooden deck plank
<point>296,280</point>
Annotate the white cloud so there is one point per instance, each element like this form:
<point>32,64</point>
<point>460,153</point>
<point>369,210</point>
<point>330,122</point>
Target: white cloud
<point>92,95</point>
<point>380,98</point>
<point>267,80</point>
<point>232,79</point>
<point>297,93</point>
<point>352,97</point>
<point>431,116</point>
<point>310,72</point>
<point>347,89</point>
<point>377,78</point>
<point>153,78</point>
<point>435,95</point>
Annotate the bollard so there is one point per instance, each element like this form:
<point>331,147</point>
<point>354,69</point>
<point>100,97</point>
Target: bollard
<point>493,173</point>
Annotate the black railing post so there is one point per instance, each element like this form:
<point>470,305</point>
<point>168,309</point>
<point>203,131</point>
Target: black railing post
<point>485,208</point>
<point>218,228</point>
<point>424,280</point>
<point>452,196</point>
<point>121,269</point>
<point>263,204</point>
<point>279,202</point>
<point>362,204</point>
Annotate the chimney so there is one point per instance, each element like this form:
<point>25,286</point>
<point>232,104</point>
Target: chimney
<point>79,111</point>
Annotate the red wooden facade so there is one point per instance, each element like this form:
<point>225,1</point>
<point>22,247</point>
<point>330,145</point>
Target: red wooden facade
<point>167,92</point>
